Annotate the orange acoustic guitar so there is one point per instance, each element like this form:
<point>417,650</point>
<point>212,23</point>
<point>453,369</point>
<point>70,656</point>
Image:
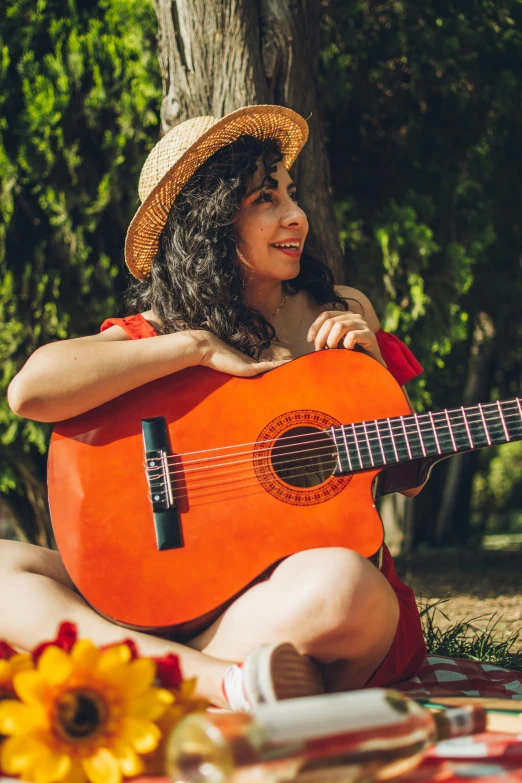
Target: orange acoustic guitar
<point>167,501</point>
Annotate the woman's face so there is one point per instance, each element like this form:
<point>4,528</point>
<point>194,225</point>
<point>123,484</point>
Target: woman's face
<point>271,227</point>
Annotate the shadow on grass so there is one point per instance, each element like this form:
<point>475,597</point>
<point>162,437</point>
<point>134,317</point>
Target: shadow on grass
<point>464,640</point>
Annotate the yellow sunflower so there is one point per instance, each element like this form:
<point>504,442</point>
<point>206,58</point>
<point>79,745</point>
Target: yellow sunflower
<point>9,667</point>
<point>87,715</point>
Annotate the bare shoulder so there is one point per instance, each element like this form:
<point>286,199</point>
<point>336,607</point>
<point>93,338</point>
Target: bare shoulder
<point>359,303</point>
<point>152,318</point>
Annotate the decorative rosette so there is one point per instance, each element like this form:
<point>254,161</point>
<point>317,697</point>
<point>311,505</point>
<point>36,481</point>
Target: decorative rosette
<point>80,713</point>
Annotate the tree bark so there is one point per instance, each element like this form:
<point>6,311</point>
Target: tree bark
<point>453,519</point>
<point>219,55</point>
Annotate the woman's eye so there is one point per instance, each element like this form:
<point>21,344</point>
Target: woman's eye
<point>293,195</point>
<point>264,196</point>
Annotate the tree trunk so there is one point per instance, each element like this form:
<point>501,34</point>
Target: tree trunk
<point>453,519</point>
<point>219,55</point>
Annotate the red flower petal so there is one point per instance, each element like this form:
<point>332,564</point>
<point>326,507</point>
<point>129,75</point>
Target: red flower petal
<point>168,671</point>
<point>65,639</point>
<point>6,651</point>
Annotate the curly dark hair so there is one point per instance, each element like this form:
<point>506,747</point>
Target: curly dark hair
<point>196,279</point>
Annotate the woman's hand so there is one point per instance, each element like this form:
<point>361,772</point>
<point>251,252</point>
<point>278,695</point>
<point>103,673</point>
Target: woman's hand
<point>334,329</point>
<point>217,355</point>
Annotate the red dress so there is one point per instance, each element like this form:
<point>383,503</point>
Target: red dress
<point>408,649</point>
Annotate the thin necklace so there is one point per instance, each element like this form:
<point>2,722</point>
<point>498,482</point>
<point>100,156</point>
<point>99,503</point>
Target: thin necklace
<point>280,307</point>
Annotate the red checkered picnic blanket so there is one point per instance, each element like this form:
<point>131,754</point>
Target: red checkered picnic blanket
<point>440,676</point>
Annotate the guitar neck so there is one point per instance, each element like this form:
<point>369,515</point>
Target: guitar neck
<point>374,444</point>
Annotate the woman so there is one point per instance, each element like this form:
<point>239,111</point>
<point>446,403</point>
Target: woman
<point>226,281</point>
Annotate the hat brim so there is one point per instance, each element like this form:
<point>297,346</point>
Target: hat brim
<point>262,122</point>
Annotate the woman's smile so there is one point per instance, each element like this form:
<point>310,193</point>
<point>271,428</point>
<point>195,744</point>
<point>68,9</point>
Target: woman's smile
<point>291,247</point>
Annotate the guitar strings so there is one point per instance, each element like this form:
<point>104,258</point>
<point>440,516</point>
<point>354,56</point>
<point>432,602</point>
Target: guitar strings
<point>495,427</point>
<point>194,486</point>
<point>481,406</point>
<point>327,447</point>
<point>198,491</point>
<point>395,420</point>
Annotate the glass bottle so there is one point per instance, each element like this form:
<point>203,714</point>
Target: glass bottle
<point>374,734</point>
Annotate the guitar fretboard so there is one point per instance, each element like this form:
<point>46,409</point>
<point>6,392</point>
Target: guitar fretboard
<point>372,444</point>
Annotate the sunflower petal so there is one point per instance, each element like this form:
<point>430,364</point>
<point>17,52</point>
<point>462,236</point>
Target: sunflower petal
<point>50,766</point>
<point>141,734</point>
<point>112,658</point>
<point>85,654</point>
<point>17,753</point>
<point>29,686</point>
<point>150,705</point>
<point>76,773</point>
<point>102,767</point>
<point>129,761</point>
<point>55,665</point>
<point>140,675</point>
<point>18,718</point>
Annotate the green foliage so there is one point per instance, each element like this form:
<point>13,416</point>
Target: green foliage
<point>497,495</point>
<point>424,120</point>
<point>421,105</point>
<point>79,96</point>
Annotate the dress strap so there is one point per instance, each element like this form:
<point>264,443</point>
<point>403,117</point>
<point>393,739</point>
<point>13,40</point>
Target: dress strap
<point>399,359</point>
<point>136,326</point>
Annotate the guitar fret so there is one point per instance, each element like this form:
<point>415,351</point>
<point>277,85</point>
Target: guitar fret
<point>494,424</point>
<point>444,432</point>
<point>380,440</point>
<point>386,442</point>
<point>511,415</point>
<point>368,444</point>
<point>344,454</point>
<point>393,440</point>
<point>412,437</point>
<point>339,468</point>
<point>435,433</point>
<point>415,416</point>
<point>459,429</point>
<point>357,446</point>
<point>502,420</point>
<point>363,446</point>
<point>451,432</point>
<point>429,436</point>
<point>406,437</point>
<point>484,424</point>
<point>374,441</point>
<point>467,427</point>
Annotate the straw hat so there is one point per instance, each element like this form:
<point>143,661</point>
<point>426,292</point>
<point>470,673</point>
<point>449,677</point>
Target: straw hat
<point>182,150</point>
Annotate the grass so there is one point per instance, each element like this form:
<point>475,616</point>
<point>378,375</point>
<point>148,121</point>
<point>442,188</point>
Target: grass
<point>464,640</point>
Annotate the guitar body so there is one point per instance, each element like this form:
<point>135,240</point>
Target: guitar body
<point>239,511</point>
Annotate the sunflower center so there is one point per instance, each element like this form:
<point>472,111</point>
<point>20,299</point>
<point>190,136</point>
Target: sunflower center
<point>79,714</point>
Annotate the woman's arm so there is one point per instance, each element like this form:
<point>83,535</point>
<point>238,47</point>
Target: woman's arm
<point>69,377</point>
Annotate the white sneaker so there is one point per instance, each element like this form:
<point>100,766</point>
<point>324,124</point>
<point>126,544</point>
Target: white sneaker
<point>271,672</point>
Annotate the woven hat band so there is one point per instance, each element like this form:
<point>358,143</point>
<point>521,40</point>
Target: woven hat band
<point>179,154</point>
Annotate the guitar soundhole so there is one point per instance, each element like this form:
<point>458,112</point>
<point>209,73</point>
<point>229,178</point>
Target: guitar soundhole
<point>304,457</point>
<point>295,458</point>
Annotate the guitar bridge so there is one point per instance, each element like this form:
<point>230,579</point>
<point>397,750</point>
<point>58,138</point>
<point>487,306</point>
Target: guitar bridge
<point>164,510</point>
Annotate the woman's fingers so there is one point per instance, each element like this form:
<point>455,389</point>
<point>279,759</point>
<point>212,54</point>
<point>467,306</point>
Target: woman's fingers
<point>356,337</point>
<point>321,327</point>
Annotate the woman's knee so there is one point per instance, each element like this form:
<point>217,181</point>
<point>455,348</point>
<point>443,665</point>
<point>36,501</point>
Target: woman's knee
<point>339,593</point>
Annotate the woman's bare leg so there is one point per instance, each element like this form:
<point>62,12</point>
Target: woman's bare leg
<point>333,604</point>
<point>36,595</point>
